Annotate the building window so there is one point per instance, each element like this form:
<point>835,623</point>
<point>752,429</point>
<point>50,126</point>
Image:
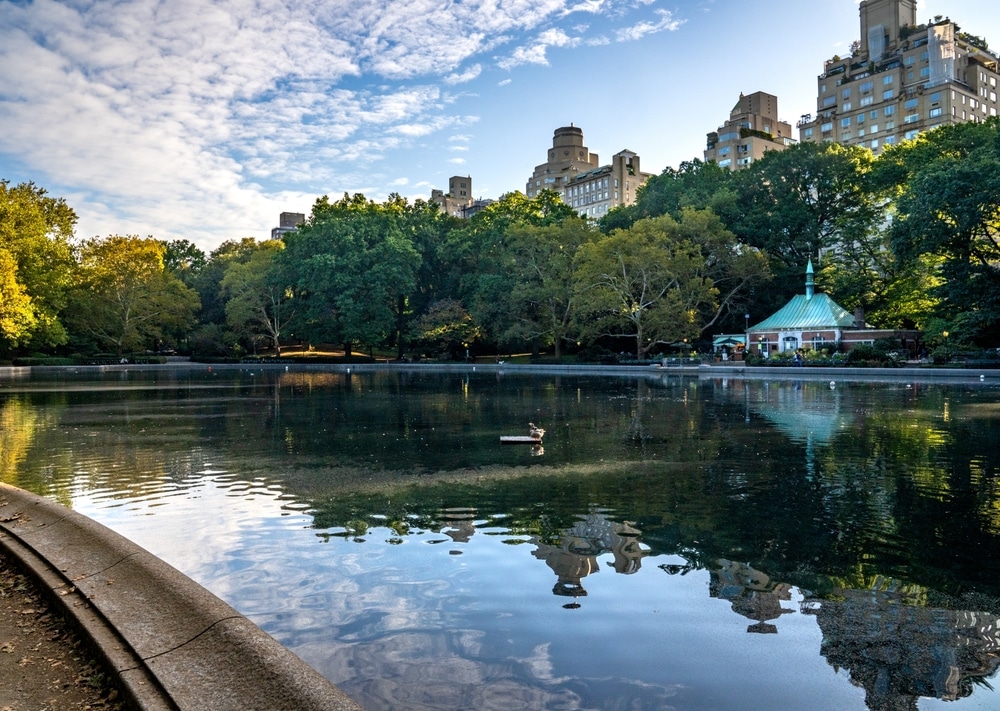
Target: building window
<point>826,127</point>
<point>888,79</point>
<point>888,94</point>
<point>874,144</point>
<point>845,122</point>
<point>846,93</point>
<point>829,101</point>
<point>725,163</point>
<point>934,113</point>
<point>889,110</point>
<point>866,87</point>
<point>846,106</point>
<point>910,135</point>
<point>911,118</point>
<point>925,71</point>
<point>935,97</point>
<point>889,125</point>
<point>873,128</point>
<point>911,103</point>
<point>807,133</point>
<point>890,140</point>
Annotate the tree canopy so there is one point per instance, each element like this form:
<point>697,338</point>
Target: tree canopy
<point>36,265</point>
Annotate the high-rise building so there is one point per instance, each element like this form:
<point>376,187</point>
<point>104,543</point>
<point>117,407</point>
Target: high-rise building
<point>576,174</point>
<point>902,78</point>
<point>752,130</point>
<point>458,198</point>
<point>287,222</point>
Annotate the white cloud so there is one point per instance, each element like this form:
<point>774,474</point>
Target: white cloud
<point>536,53</point>
<point>203,119</point>
<point>462,77</point>
<point>644,28</point>
<point>504,82</point>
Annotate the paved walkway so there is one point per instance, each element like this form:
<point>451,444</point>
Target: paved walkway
<point>168,643</point>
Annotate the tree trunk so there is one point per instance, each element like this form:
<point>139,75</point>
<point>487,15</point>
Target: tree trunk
<point>348,348</point>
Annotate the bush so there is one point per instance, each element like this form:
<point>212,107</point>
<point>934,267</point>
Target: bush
<point>870,355</point>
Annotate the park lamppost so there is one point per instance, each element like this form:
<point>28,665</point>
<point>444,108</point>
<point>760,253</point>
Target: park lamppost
<point>746,317</point>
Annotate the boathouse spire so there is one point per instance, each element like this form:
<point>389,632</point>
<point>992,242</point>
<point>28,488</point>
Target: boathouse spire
<point>810,283</point>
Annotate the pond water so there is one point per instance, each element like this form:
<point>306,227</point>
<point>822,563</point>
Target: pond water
<point>675,543</point>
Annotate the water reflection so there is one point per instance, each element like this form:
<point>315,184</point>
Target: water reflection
<point>852,532</point>
<point>574,555</point>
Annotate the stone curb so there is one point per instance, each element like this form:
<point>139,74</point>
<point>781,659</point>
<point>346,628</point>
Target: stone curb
<point>173,645</point>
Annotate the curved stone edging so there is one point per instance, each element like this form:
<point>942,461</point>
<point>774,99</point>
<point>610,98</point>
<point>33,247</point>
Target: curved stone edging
<point>171,643</point>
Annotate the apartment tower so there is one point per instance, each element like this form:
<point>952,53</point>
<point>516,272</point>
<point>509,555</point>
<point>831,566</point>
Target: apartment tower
<point>902,78</point>
<point>576,174</point>
<point>753,129</point>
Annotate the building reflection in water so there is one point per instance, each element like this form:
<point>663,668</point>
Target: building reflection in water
<point>893,646</point>
<point>575,556</point>
<point>751,593</point>
<point>898,652</point>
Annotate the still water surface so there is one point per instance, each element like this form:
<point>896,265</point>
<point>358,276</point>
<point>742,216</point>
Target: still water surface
<point>678,543</point>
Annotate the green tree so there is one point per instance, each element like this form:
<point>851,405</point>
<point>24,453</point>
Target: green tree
<point>694,184</point>
<point>545,294</point>
<point>257,299</point>
<point>349,266</point>
<point>125,299</point>
<point>480,266</point>
<point>647,283</point>
<point>948,206</point>
<point>35,232</point>
<point>207,280</point>
<point>183,259</point>
<point>811,197</point>
<point>445,326</point>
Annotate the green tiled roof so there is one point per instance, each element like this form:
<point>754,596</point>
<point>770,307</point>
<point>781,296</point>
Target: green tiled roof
<point>802,313</point>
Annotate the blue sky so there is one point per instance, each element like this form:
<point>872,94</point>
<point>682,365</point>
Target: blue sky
<point>204,119</point>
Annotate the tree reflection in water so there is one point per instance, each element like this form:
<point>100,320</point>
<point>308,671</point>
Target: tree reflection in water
<point>870,513</point>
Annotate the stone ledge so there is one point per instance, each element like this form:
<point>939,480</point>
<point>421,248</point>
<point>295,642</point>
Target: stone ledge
<point>172,643</point>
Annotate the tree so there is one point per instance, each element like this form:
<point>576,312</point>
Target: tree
<point>546,292</point>
<point>645,283</point>
<point>481,268</point>
<point>348,267</point>
<point>17,317</point>
<point>445,326</point>
<point>207,280</point>
<point>34,232</point>
<point>811,197</point>
<point>694,184</point>
<point>258,300</point>
<point>183,259</point>
<point>124,297</point>
<point>948,206</point>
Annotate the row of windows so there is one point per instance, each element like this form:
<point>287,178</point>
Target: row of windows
<point>589,199</point>
<point>589,187</point>
<point>594,211</point>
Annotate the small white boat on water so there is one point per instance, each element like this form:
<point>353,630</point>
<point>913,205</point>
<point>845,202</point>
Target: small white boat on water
<point>534,436</point>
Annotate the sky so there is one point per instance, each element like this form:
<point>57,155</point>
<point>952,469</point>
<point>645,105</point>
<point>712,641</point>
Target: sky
<point>205,119</point>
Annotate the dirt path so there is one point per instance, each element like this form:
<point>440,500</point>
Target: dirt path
<point>43,667</point>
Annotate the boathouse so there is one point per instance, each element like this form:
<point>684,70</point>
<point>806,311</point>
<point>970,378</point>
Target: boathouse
<point>815,321</point>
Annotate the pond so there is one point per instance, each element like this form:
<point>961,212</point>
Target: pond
<point>674,542</point>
